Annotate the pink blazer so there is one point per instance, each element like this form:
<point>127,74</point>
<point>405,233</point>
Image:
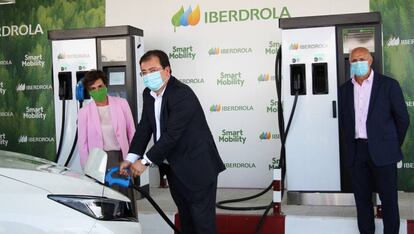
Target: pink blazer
<point>89,127</point>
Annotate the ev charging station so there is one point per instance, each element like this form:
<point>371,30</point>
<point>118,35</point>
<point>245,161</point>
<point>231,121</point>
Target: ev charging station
<point>116,51</point>
<point>315,62</point>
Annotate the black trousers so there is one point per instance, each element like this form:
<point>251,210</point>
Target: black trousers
<point>367,178</point>
<point>197,209</point>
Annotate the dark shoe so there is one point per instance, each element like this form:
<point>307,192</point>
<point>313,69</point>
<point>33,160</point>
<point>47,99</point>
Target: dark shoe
<point>163,183</point>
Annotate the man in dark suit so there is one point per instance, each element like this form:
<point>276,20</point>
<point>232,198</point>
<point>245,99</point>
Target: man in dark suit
<point>374,121</point>
<point>183,144</point>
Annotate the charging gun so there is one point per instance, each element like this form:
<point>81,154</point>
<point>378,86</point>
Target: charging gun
<point>127,182</point>
<point>110,180</point>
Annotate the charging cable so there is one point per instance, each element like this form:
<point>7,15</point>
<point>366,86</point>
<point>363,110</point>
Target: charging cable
<point>128,182</point>
<point>62,96</point>
<point>283,135</point>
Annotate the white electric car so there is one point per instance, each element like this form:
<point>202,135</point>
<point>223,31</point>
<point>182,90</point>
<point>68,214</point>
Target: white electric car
<point>39,196</point>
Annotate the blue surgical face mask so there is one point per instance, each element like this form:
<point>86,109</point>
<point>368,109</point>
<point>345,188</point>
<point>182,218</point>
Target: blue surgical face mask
<point>359,68</point>
<point>153,81</point>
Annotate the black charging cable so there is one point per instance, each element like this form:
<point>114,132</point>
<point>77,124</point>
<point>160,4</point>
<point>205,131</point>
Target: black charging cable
<point>75,141</point>
<point>262,219</point>
<point>283,135</point>
<point>80,97</point>
<point>221,206</point>
<point>281,120</point>
<point>156,207</point>
<point>62,96</point>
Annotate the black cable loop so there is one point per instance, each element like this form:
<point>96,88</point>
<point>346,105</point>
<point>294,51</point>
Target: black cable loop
<point>62,129</point>
<point>219,204</point>
<point>282,159</point>
<point>157,207</point>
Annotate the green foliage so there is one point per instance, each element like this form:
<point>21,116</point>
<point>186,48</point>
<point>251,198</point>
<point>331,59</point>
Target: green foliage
<point>50,14</point>
<point>397,16</point>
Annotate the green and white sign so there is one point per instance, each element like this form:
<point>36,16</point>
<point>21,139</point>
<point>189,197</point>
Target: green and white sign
<point>398,47</point>
<point>27,122</point>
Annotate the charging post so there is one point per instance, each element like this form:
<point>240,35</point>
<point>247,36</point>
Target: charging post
<point>315,62</point>
<point>115,50</point>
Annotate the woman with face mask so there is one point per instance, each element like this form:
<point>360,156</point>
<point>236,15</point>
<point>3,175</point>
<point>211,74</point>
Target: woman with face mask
<point>105,123</point>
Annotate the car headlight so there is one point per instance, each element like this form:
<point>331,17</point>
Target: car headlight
<point>101,208</point>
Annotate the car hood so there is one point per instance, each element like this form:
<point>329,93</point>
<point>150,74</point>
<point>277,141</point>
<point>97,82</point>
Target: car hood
<point>51,177</point>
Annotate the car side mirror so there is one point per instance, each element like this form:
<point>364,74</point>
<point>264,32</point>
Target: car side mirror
<point>96,164</point>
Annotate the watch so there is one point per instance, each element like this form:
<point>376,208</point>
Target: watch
<point>145,162</point>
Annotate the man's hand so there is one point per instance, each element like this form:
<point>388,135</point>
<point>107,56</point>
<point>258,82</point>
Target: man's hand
<point>123,167</point>
<point>138,168</point>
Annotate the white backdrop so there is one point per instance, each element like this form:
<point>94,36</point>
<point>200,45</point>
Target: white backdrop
<point>228,58</point>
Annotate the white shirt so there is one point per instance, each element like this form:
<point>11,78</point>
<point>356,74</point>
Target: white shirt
<point>157,113</point>
<point>108,133</point>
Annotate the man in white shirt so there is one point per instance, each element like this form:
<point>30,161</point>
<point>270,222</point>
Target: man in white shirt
<point>184,144</point>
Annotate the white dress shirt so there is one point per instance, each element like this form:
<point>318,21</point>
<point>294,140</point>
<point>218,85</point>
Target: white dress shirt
<point>157,112</point>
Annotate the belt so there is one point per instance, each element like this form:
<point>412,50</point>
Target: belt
<point>361,140</point>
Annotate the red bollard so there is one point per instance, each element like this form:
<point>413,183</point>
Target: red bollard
<point>277,193</point>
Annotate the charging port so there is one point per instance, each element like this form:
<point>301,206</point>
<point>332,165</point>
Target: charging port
<point>297,79</point>
<point>65,85</point>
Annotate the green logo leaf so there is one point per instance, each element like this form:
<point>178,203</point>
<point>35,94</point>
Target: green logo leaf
<point>175,20</point>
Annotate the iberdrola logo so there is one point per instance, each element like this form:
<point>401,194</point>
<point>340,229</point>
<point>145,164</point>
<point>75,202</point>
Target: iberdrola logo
<point>185,18</point>
<point>264,77</point>
<point>215,108</point>
<point>214,51</point>
<point>294,46</point>
<point>265,136</point>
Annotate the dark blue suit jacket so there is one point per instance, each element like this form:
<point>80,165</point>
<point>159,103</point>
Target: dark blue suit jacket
<point>387,120</point>
<point>186,141</point>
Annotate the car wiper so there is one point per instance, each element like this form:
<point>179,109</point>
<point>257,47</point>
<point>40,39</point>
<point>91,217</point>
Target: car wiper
<point>128,219</point>
<point>52,168</point>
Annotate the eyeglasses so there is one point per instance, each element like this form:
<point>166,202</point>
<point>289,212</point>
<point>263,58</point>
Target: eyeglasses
<point>151,70</point>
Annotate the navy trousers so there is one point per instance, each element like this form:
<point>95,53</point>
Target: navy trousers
<point>368,178</point>
<point>197,209</point>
